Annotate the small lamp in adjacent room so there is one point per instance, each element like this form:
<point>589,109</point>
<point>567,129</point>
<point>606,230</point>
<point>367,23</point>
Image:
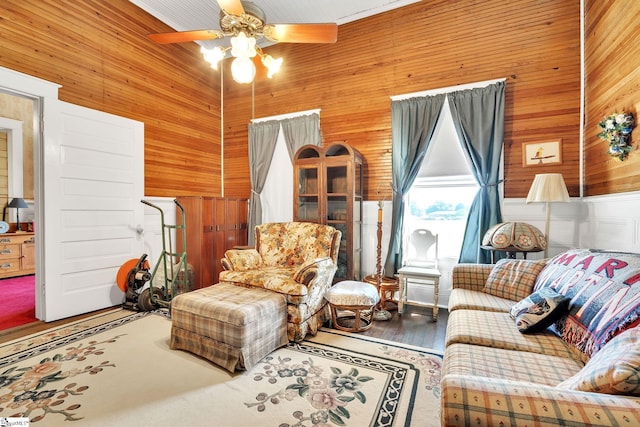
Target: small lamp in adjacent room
<point>548,187</point>
<point>17,203</point>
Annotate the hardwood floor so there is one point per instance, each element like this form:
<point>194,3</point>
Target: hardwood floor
<point>414,327</point>
<point>32,328</point>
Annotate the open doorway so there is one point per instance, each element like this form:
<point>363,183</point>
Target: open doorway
<point>88,180</point>
<point>17,199</point>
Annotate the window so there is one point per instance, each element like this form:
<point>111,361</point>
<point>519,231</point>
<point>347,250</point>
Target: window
<point>441,195</point>
<point>442,206</point>
<point>277,192</point>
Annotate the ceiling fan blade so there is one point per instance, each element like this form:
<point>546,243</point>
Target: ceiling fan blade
<point>302,33</point>
<point>186,36</point>
<point>232,7</point>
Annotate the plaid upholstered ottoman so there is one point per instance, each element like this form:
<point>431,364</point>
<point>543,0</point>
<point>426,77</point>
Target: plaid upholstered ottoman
<point>232,326</point>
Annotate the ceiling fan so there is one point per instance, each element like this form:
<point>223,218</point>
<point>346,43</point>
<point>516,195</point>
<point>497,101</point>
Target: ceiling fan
<point>245,23</point>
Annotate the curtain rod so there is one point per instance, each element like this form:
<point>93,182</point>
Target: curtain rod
<point>446,89</point>
<point>286,116</point>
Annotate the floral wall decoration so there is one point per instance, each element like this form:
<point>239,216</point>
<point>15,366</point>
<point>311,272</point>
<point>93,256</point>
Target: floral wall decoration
<point>616,130</point>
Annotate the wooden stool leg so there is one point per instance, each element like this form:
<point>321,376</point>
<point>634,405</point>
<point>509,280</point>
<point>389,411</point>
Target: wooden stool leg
<point>334,316</point>
<point>361,322</point>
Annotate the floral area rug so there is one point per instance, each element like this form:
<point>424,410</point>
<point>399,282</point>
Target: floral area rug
<point>117,369</point>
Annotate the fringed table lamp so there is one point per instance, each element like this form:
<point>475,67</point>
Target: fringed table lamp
<point>513,237</point>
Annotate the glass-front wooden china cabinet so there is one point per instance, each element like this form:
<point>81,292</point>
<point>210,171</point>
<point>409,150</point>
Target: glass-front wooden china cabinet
<point>328,189</point>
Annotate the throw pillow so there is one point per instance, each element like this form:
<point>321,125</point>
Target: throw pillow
<point>539,310</point>
<point>614,369</point>
<point>604,288</point>
<point>513,278</point>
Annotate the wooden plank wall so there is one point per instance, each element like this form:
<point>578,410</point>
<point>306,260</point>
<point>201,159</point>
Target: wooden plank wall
<point>535,45</point>
<point>98,51</point>
<point>612,62</point>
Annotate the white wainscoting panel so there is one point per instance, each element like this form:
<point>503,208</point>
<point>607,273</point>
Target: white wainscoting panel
<point>564,223</point>
<point>614,222</point>
<point>610,222</point>
<point>601,222</point>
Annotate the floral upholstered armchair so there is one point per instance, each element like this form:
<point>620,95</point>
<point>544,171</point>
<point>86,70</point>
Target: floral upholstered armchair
<point>295,259</point>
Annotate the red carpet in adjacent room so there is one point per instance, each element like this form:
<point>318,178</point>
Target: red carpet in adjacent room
<point>17,301</point>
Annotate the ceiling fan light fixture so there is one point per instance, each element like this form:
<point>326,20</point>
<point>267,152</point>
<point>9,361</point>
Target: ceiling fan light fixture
<point>213,56</point>
<point>273,65</point>
<point>245,23</point>
<point>243,46</point>
<point>243,70</point>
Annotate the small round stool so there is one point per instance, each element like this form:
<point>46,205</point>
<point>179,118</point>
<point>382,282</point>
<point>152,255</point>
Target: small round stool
<point>357,298</point>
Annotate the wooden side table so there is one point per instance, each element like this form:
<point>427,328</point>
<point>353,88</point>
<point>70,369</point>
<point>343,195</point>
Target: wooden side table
<point>17,254</point>
<point>423,277</point>
<point>387,289</point>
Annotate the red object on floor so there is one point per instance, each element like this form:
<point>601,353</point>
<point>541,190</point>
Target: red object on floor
<point>17,301</point>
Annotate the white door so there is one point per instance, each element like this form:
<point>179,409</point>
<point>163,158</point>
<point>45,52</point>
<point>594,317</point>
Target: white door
<point>93,181</point>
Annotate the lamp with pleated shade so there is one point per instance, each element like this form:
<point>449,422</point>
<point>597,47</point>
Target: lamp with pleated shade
<point>17,203</point>
<point>547,188</point>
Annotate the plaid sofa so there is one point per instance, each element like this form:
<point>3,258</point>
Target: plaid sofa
<point>583,369</point>
<point>295,259</point>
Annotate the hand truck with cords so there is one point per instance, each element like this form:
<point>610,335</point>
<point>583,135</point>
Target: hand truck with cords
<point>135,279</point>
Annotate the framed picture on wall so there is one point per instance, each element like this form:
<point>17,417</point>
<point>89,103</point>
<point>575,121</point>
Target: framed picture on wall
<point>542,153</point>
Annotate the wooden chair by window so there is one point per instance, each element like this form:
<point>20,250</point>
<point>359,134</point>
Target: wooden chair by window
<point>422,249</point>
<point>420,269</point>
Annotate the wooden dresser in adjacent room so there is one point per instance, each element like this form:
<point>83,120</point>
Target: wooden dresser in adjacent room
<point>214,224</point>
<point>17,254</point>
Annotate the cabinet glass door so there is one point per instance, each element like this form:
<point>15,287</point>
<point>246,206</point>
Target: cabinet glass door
<point>307,203</point>
<point>336,183</point>
<point>337,212</point>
